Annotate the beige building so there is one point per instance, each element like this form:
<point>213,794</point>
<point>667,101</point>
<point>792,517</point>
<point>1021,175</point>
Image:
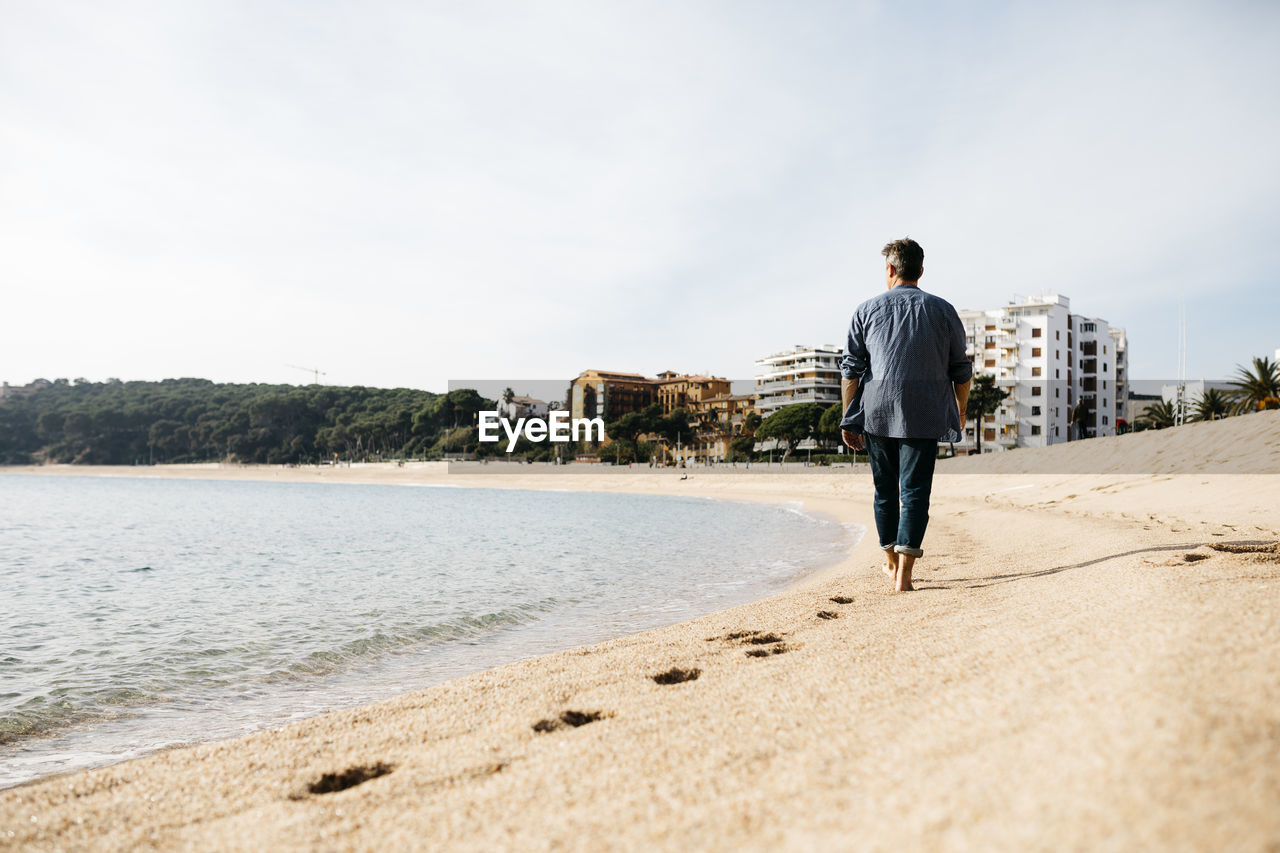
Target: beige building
<point>609,394</point>
<point>716,413</point>
<point>677,390</point>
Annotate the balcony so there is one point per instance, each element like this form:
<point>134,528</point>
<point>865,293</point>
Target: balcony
<point>811,397</point>
<point>783,387</point>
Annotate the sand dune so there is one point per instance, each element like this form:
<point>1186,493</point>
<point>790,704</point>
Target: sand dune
<point>1249,444</point>
<point>1092,661</point>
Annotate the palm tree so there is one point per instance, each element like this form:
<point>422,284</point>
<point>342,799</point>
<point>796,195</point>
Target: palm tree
<point>1157,416</point>
<point>1212,405</point>
<point>1258,388</point>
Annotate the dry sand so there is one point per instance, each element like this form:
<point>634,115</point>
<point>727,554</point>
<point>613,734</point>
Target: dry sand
<point>1092,661</point>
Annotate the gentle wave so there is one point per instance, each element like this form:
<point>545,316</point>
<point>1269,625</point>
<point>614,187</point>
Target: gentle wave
<point>67,706</point>
<point>160,611</point>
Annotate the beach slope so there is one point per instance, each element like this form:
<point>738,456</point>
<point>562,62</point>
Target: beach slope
<point>1091,661</point>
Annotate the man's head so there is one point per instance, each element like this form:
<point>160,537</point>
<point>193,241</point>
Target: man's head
<point>904,261</point>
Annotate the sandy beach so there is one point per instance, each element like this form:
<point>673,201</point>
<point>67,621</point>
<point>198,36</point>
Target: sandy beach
<point>1091,661</point>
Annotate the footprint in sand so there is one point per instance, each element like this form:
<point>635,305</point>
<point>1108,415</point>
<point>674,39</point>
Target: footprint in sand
<point>757,638</point>
<point>842,599</point>
<point>827,614</point>
<point>573,719</point>
<point>331,783</point>
<point>675,675</point>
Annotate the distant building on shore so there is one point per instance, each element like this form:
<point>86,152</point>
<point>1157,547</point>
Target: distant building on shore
<point>680,390</point>
<point>8,391</point>
<point>1067,374</point>
<point>609,394</point>
<point>521,406</point>
<point>802,374</point>
<point>716,413</point>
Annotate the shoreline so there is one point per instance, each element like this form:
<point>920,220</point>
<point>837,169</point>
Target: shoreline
<point>269,474</point>
<point>1022,687</point>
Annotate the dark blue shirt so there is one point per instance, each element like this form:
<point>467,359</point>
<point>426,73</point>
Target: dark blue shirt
<point>906,349</point>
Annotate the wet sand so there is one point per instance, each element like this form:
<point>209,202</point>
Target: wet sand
<point>1091,661</point>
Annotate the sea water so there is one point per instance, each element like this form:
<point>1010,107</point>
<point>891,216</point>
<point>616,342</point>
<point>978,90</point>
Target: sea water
<point>138,613</point>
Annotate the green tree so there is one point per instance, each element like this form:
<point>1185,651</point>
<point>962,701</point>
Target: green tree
<point>631,426</point>
<point>1158,415</point>
<point>829,423</point>
<point>790,425</point>
<point>675,427</point>
<point>1257,388</point>
<point>984,398</point>
<point>1212,405</point>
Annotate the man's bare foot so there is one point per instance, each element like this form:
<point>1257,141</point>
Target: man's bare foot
<point>890,566</point>
<point>905,563</point>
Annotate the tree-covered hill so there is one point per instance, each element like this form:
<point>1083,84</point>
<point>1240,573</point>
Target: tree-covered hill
<point>196,420</point>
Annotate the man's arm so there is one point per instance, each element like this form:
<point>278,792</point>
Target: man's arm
<point>852,366</point>
<point>849,387</point>
<point>962,398</point>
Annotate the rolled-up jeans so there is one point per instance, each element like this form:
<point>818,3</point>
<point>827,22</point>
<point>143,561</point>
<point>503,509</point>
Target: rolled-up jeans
<point>902,467</point>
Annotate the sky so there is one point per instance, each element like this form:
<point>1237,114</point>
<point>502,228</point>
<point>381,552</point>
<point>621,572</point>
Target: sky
<point>401,194</point>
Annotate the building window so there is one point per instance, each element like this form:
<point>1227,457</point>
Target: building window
<point>1057,392</point>
<point>991,362</point>
<point>1057,354</point>
<point>1035,371</point>
<point>1104,417</point>
<point>1057,334</point>
<point>1088,327</point>
<point>1055,432</point>
<point>1035,391</point>
<point>1035,352</point>
<point>1037,332</point>
<point>1104,383</point>
<point>1104,349</point>
<point>1035,429</point>
<point>1035,410</point>
<point>1057,374</point>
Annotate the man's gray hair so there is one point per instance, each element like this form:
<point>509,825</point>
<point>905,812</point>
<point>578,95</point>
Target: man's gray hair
<point>906,257</point>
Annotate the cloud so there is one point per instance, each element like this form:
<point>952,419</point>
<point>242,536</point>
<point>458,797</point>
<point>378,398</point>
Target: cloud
<point>401,194</point>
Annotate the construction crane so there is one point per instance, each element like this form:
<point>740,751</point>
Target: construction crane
<point>315,371</point>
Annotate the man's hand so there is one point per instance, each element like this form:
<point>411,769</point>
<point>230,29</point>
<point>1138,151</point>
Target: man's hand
<point>852,440</point>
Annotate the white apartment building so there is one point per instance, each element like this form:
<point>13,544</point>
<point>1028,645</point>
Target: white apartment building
<point>798,375</point>
<point>521,406</point>
<point>1049,360</point>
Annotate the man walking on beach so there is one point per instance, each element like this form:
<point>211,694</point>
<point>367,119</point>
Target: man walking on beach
<point>905,382</point>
